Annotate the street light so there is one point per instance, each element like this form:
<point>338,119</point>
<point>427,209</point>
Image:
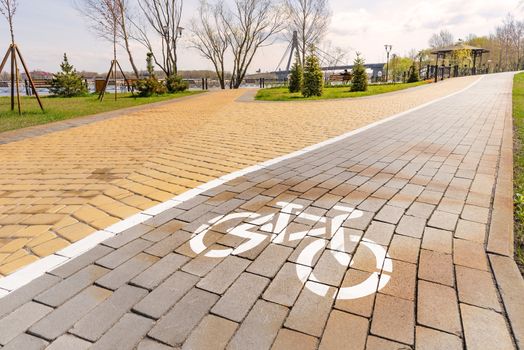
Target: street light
<point>388,50</point>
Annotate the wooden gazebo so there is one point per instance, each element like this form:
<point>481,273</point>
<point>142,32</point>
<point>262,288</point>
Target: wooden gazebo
<point>476,52</point>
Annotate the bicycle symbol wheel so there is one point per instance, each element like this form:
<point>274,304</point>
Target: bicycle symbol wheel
<point>244,226</point>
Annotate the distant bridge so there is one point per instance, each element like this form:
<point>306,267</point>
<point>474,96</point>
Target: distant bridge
<point>375,68</point>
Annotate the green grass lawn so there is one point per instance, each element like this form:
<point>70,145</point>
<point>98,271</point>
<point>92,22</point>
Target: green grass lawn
<point>66,108</point>
<point>518,171</point>
<point>282,93</point>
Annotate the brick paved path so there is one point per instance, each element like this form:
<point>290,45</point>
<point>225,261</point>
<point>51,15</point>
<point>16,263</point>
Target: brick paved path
<point>58,188</point>
<point>374,242</point>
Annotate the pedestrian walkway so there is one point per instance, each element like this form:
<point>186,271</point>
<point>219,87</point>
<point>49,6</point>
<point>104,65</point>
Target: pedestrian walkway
<point>375,241</point>
<point>57,188</point>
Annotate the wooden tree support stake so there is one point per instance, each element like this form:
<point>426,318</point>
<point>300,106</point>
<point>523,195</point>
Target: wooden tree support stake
<point>13,51</point>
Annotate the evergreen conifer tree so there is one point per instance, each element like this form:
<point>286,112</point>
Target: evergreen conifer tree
<point>313,77</point>
<point>359,81</point>
<point>67,82</point>
<point>296,78</point>
<point>413,74</point>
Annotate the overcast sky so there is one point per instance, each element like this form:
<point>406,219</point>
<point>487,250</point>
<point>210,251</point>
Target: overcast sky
<point>45,29</point>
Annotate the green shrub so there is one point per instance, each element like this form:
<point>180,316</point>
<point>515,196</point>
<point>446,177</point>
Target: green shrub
<point>296,78</point>
<point>174,83</point>
<point>68,83</point>
<point>149,86</point>
<point>413,74</point>
<point>313,77</point>
<point>359,81</point>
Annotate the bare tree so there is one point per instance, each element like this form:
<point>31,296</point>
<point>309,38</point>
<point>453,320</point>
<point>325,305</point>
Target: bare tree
<point>442,39</point>
<point>163,17</point>
<point>108,17</point>
<point>211,37</point>
<point>251,24</point>
<point>8,10</point>
<point>310,19</point>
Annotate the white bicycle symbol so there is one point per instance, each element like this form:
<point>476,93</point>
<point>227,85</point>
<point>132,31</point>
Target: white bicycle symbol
<point>276,225</point>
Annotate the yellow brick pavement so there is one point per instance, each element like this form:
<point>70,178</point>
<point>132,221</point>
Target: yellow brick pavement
<point>58,188</point>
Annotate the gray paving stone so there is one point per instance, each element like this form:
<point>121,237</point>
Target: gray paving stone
<point>165,216</point>
<point>126,334</point>
<point>163,231</point>
<point>105,315</point>
<point>331,268</point>
<point>68,342</point>
<point>213,333</point>
<point>26,342</point>
<point>270,260</point>
<point>156,303</point>
<point>311,311</point>
<point>379,232</point>
<point>125,272</point>
<point>20,320</point>
<point>81,261</point>
<point>159,271</point>
<point>260,327</point>
<point>66,289</point>
<point>148,344</point>
<point>26,293</point>
<point>169,244</point>
<point>240,297</point>
<point>286,286</point>
<point>124,253</point>
<point>175,326</point>
<point>222,276</point>
<point>127,236</point>
<point>61,319</point>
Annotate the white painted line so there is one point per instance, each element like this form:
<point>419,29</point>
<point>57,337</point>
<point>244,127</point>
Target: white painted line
<point>160,208</point>
<point>85,244</point>
<point>211,184</point>
<point>128,223</point>
<point>188,195</point>
<point>38,268</point>
<point>30,272</point>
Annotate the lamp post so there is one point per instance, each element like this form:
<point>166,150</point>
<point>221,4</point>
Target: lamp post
<point>388,50</point>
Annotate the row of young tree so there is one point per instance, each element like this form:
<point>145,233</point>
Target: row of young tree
<point>226,33</point>
<point>308,78</point>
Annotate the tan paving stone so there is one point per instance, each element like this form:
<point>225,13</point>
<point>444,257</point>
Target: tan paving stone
<point>344,331</point>
<point>437,240</point>
<point>437,307</point>
<point>443,220</point>
<point>404,248</point>
<point>360,306</point>
<point>470,254</point>
<point>474,213</point>
<point>401,282</point>
<point>430,339</point>
<point>436,267</point>
<point>484,329</point>
<point>476,287</point>
<point>394,318</point>
<point>471,231</point>
<point>291,340</point>
<point>412,226</point>
<point>376,343</point>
